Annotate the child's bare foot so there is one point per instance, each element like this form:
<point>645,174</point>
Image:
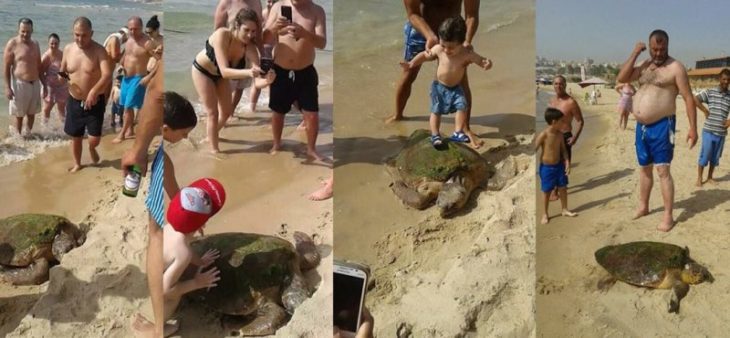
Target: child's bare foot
<point>275,149</point>
<point>568,213</point>
<point>545,219</point>
<point>75,168</point>
<point>95,159</point>
<point>640,213</point>
<point>394,118</point>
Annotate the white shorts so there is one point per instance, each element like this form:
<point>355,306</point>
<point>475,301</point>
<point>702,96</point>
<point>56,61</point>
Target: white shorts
<point>26,99</point>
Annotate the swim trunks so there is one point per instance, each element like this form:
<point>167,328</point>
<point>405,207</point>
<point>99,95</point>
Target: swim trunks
<point>415,42</point>
<point>655,142</point>
<point>566,136</point>
<point>552,176</point>
<point>26,97</point>
<point>132,93</point>
<point>57,89</point>
<point>155,199</point>
<point>711,151</point>
<point>79,120</point>
<point>446,100</point>
<point>294,85</point>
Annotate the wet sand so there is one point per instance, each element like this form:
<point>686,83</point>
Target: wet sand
<point>429,273</point>
<point>603,188</point>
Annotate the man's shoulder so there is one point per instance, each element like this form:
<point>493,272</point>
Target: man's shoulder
<point>11,43</point>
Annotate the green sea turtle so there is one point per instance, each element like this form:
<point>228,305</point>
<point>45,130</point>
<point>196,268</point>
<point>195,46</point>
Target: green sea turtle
<point>652,265</point>
<point>261,280</point>
<point>422,174</point>
<point>31,243</point>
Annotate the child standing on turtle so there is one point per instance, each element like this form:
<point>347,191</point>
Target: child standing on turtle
<point>447,95</point>
<point>553,171</point>
<point>187,213</point>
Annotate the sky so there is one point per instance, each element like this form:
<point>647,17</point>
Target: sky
<point>607,31</point>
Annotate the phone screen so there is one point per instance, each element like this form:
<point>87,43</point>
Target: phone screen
<point>348,294</point>
<point>266,64</point>
<point>286,12</point>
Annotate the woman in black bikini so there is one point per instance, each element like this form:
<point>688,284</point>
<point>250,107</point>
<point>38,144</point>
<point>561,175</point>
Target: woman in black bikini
<point>223,59</point>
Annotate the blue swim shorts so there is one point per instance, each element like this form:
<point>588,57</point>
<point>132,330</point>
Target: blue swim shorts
<point>132,93</point>
<point>711,151</point>
<point>414,42</point>
<point>655,142</point>
<point>155,199</point>
<point>446,100</point>
<point>552,176</point>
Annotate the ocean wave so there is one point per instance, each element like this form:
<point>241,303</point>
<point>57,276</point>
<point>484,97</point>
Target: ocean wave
<point>72,6</point>
<point>503,24</point>
<point>16,148</point>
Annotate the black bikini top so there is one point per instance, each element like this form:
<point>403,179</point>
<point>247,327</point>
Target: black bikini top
<point>210,53</point>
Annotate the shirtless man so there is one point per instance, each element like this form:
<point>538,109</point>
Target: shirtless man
<point>224,14</point>
<point>424,19</point>
<point>660,78</point>
<point>22,58</point>
<point>138,50</point>
<point>296,78</point>
<point>571,111</point>
<point>87,65</point>
<point>114,44</point>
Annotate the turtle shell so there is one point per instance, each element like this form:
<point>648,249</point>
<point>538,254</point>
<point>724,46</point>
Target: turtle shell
<point>419,160</point>
<point>27,237</point>
<point>248,264</point>
<point>641,263</point>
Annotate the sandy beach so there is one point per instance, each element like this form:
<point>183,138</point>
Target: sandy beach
<point>603,188</point>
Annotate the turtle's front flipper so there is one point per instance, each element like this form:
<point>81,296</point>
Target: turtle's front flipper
<point>679,290</point>
<point>269,318</point>
<point>606,283</point>
<point>35,274</point>
<point>295,294</point>
<point>411,197</point>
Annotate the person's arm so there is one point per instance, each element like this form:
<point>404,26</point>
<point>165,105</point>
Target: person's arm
<point>686,92</point>
<point>698,103</point>
<point>173,287</point>
<point>564,155</point>
<point>104,80</point>
<point>420,58</point>
<point>618,88</point>
<point>8,59</point>
<point>45,63</point>
<point>480,61</point>
<point>220,18</point>
<point>220,40</point>
<point>628,71</point>
<point>318,38</point>
<point>113,48</point>
<point>539,140</point>
<point>170,181</point>
<point>578,117</point>
<point>149,124</point>
<point>39,64</point>
<point>471,15</point>
<point>275,24</point>
<point>413,12</point>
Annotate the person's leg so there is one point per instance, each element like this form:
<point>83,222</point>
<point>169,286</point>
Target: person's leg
<point>459,121</point>
<point>19,124</point>
<point>29,122</point>
<point>434,122</point>
<point>646,181</point>
<point>47,107</point>
<point>236,97</point>
<point>325,191</point>
<point>206,90</point>
<point>710,171</point>
<point>563,192</point>
<point>141,326</point>
<point>546,204</point>
<point>61,106</point>
<point>667,185</point>
<point>254,96</point>
<point>700,169</point>
<point>277,126</point>
<point>312,122</point>
<point>76,149</point>
<point>93,143</point>
<point>225,108</point>
<point>128,120</point>
<point>475,140</point>
<point>403,92</point>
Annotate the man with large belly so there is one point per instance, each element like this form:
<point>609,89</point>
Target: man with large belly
<point>660,78</point>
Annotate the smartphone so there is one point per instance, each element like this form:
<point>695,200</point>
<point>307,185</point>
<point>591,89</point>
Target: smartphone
<point>266,64</point>
<point>63,75</point>
<point>350,285</point>
<point>286,12</point>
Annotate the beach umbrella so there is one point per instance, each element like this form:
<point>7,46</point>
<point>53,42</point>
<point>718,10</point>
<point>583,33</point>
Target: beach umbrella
<point>592,81</point>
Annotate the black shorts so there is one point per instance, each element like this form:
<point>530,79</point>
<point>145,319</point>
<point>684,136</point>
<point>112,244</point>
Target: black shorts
<point>296,85</point>
<point>79,120</point>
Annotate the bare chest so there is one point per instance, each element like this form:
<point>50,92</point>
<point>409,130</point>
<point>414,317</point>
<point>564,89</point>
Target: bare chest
<point>82,61</point>
<point>657,77</point>
<point>25,52</point>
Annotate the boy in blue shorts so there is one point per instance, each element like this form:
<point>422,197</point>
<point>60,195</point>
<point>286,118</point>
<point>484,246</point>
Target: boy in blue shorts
<point>447,94</point>
<point>554,163</point>
<point>716,124</point>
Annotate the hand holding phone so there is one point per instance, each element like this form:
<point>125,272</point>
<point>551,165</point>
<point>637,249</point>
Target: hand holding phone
<point>286,12</point>
<point>350,285</point>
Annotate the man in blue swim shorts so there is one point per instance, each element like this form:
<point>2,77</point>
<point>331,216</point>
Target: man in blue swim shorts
<point>138,50</point>
<point>661,78</point>
<point>424,19</point>
<point>716,124</point>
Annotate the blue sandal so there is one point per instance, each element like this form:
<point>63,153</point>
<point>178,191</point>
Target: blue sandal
<point>436,140</point>
<point>459,136</point>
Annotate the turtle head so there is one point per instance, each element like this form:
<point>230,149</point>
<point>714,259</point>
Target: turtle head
<point>452,196</point>
<point>694,273</point>
<point>62,243</point>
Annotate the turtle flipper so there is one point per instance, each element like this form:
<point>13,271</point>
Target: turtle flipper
<point>269,318</point>
<point>35,274</point>
<point>679,290</point>
<point>606,283</point>
<point>411,197</point>
<point>295,294</point>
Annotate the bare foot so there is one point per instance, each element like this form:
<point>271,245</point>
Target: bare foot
<point>117,140</point>
<point>711,181</point>
<point>302,126</point>
<point>474,144</point>
<point>142,327</point>
<point>171,326</point>
<point>640,213</point>
<point>75,168</point>
<point>545,219</point>
<point>322,193</point>
<point>95,160</point>
<point>394,118</point>
<point>568,213</point>
<point>698,183</point>
<point>475,140</point>
<point>313,155</point>
<point>215,151</point>
<point>666,226</point>
<point>275,149</point>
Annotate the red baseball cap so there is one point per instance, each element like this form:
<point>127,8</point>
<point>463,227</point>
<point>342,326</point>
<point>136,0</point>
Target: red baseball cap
<point>195,204</point>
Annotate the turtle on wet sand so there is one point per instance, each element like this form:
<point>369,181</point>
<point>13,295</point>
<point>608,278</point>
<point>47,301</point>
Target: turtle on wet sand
<point>31,243</point>
<point>422,174</point>
<point>652,265</point>
<point>261,281</point>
